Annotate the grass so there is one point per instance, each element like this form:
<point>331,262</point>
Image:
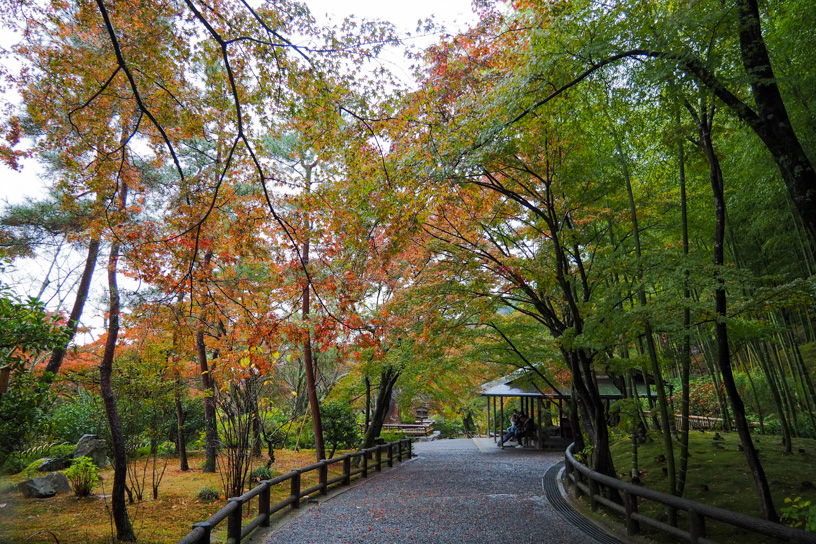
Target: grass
<point>718,475</point>
<point>160,521</point>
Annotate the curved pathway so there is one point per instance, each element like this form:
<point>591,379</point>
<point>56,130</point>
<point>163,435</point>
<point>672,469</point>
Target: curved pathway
<point>454,491</point>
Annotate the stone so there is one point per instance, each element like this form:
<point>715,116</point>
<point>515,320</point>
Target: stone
<point>45,486</point>
<point>52,465</point>
<point>37,488</point>
<point>91,446</point>
<point>59,482</point>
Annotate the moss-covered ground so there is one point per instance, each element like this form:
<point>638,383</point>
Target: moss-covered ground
<point>718,475</point>
<point>165,520</point>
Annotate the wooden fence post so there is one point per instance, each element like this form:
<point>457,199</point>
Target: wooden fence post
<point>263,504</point>
<point>390,454</point>
<point>234,521</point>
<point>347,469</point>
<point>632,525</point>
<point>295,493</point>
<point>594,490</point>
<point>365,464</point>
<point>205,538</point>
<point>697,528</point>
<point>324,477</point>
<point>378,456</point>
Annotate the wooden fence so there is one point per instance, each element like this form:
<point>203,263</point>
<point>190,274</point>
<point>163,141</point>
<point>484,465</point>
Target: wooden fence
<point>410,429</point>
<point>703,422</point>
<point>590,482</point>
<point>233,511</point>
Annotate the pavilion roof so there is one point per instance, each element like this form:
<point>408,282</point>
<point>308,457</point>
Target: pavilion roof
<point>528,383</point>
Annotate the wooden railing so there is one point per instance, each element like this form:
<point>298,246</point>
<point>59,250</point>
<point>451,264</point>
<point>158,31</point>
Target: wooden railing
<point>233,511</point>
<point>703,422</point>
<point>590,482</point>
<point>410,429</point>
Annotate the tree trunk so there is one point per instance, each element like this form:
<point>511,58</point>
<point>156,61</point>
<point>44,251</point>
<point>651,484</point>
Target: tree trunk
<point>685,353</point>
<point>766,505</point>
<point>311,382</point>
<point>124,529</point>
<point>181,441</point>
<point>368,402</point>
<point>388,378</point>
<point>774,126</point>
<point>57,356</point>
<point>208,384</point>
<point>668,447</point>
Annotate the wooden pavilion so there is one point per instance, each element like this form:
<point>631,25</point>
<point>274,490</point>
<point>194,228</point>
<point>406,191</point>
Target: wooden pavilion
<point>537,397</point>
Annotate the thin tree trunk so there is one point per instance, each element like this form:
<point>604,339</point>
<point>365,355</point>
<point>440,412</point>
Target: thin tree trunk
<point>777,398</point>
<point>663,407</point>
<point>685,351</point>
<point>311,385</point>
<point>124,529</point>
<point>368,403</point>
<point>181,440</point>
<point>57,356</point>
<point>766,506</point>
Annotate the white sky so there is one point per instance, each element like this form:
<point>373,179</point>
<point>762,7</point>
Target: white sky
<point>453,15</point>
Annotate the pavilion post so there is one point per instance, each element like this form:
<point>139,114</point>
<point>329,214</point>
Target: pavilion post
<point>501,419</point>
<point>488,417</point>
<point>494,420</point>
<point>541,429</point>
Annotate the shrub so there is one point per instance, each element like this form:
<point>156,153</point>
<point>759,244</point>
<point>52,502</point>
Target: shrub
<point>261,473</point>
<point>448,428</point>
<point>392,436</point>
<point>82,414</point>
<point>14,464</point>
<point>83,476</point>
<point>800,514</point>
<point>208,494</point>
<point>62,451</point>
<point>339,426</point>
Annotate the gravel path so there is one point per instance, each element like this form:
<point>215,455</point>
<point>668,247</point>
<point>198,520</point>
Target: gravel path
<point>453,492</point>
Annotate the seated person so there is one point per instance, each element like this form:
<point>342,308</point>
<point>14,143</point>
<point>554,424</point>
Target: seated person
<point>512,431</point>
<point>526,428</point>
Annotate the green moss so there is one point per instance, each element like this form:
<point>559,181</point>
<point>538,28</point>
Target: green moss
<point>718,475</point>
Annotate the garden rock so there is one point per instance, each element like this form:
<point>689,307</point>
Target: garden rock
<point>52,465</point>
<point>91,446</point>
<point>45,486</point>
<point>58,481</point>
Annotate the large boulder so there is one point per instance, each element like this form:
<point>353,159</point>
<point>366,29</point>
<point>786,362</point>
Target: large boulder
<point>59,482</point>
<point>51,465</point>
<point>91,446</point>
<point>45,486</point>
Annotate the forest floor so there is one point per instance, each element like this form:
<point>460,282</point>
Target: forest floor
<point>68,520</point>
<point>718,475</point>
